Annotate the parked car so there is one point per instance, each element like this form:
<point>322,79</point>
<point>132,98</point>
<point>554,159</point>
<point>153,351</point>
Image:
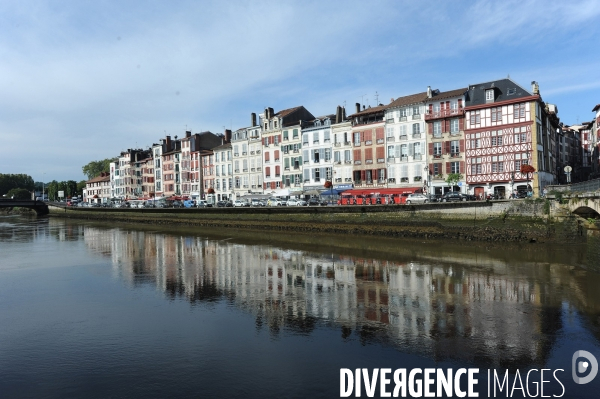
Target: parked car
<point>453,196</point>
<point>240,203</point>
<point>202,204</point>
<point>256,202</point>
<point>417,199</point>
<point>224,204</point>
<point>274,202</point>
<point>177,204</point>
<point>316,202</point>
<point>296,202</point>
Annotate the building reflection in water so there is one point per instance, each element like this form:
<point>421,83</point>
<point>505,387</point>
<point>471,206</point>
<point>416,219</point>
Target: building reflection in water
<point>499,315</point>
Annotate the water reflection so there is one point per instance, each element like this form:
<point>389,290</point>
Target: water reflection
<point>492,312</point>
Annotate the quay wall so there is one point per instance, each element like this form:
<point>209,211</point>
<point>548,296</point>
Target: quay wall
<point>517,221</point>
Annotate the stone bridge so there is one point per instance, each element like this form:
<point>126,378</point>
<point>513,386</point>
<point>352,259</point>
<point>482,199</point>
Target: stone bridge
<point>38,206</point>
<point>586,205</point>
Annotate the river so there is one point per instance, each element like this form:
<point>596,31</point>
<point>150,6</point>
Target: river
<point>95,310</point>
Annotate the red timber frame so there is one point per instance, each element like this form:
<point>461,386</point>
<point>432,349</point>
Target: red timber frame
<point>508,149</point>
<point>373,196</point>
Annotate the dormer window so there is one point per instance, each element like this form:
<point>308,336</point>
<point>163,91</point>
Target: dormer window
<point>511,92</point>
<point>327,122</point>
<point>489,95</point>
<point>317,123</point>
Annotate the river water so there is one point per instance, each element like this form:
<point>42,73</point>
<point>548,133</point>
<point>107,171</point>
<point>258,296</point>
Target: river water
<point>97,310</point>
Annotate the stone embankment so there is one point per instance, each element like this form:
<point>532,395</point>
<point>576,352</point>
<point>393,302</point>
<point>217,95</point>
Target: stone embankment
<point>516,221</point>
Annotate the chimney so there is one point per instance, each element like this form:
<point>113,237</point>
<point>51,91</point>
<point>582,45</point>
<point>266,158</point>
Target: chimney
<point>253,119</point>
<point>365,107</point>
<point>271,112</point>
<point>357,108</point>
<point>535,88</point>
<point>338,114</point>
<point>267,116</point>
<point>428,91</point>
<point>188,133</point>
<point>227,136</point>
<point>168,143</point>
<point>343,114</point>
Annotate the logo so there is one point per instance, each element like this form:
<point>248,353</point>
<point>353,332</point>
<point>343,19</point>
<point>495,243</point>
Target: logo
<point>580,366</point>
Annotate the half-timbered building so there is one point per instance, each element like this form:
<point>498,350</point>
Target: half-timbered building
<point>504,131</point>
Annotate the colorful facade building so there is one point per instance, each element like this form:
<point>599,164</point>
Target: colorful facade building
<point>368,143</point>
<point>406,141</point>
<point>445,118</point>
<point>317,165</point>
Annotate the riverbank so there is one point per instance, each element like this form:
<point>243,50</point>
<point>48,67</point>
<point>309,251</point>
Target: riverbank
<point>508,221</point>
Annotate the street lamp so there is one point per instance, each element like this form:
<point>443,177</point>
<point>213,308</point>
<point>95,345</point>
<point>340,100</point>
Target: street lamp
<point>426,170</point>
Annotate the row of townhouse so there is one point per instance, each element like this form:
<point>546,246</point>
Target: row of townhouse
<point>483,133</point>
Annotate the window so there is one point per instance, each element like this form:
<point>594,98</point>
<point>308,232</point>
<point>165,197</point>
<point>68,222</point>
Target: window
<point>305,139</point>
<point>489,95</point>
<point>403,151</point>
<point>455,167</point>
<point>437,169</point>
<point>475,118</point>
<point>454,126</point>
<point>416,110</point>
<point>416,128</point>
<point>437,129</point>
<point>347,156</point>
<point>317,174</point>
<point>316,137</point>
<point>497,164</point>
<point>476,143</point>
<point>326,136</point>
<point>390,132</point>
<point>476,167</point>
<point>496,138</point>
<point>437,150</point>
<point>285,135</point>
<point>390,151</point>
<point>327,154</point>
<point>454,147</point>
<point>316,156</point>
<point>520,135</point>
<point>519,111</point>
<point>403,132</point>
<point>295,133</point>
<point>417,149</point>
<point>357,138</point>
<point>336,157</point>
<point>497,114</point>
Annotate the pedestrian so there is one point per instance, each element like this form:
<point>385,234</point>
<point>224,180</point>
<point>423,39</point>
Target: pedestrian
<point>545,192</point>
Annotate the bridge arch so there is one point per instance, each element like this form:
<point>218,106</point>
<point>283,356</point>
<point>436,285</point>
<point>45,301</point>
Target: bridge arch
<point>586,212</point>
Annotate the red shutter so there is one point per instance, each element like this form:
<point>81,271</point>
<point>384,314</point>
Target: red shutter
<point>277,170</point>
<point>461,144</point>
<point>462,167</point>
<point>268,171</point>
<point>447,105</point>
<point>447,167</point>
<point>273,185</point>
<point>430,128</point>
<point>431,169</point>
<point>276,154</point>
<point>430,109</point>
<point>448,149</point>
<point>357,155</point>
<point>369,135</point>
<point>447,123</point>
<point>430,149</point>
<point>461,124</point>
<point>266,156</point>
<point>363,175</point>
<point>368,154</point>
<point>380,152</point>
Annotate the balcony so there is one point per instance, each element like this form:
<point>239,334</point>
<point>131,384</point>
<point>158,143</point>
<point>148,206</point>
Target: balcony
<point>357,143</point>
<point>296,167</point>
<point>258,169</point>
<point>244,153</point>
<point>404,137</point>
<point>296,184</point>
<point>305,143</point>
<point>416,117</point>
<point>417,157</point>
<point>368,161</point>
<point>380,141</point>
<point>404,158</point>
<point>315,141</point>
<point>338,179</point>
<point>258,151</point>
<point>236,154</point>
<point>337,144</point>
<point>316,161</point>
<point>391,180</point>
<point>252,152</point>
<point>391,159</point>
<point>252,169</point>
<point>454,154</point>
<point>444,113</point>
<point>437,135</point>
<point>380,160</point>
<point>368,142</point>
<point>236,171</point>
<point>286,168</point>
<point>357,163</point>
<point>296,151</point>
<point>245,170</point>
<point>348,179</point>
<point>390,139</point>
<point>390,120</point>
<point>348,161</point>
<point>347,143</point>
<point>416,135</point>
<point>403,119</point>
<point>437,156</point>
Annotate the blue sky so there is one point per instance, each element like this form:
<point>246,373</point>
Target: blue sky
<point>83,80</point>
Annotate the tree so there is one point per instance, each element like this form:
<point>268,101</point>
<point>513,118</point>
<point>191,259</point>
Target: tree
<point>10,181</point>
<point>94,168</point>
<point>19,193</point>
<point>80,187</point>
<point>453,179</point>
<point>52,189</point>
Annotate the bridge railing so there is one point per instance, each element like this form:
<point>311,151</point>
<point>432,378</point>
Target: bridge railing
<point>585,186</point>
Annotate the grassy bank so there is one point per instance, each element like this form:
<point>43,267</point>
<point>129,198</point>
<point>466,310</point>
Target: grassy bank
<point>416,222</point>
